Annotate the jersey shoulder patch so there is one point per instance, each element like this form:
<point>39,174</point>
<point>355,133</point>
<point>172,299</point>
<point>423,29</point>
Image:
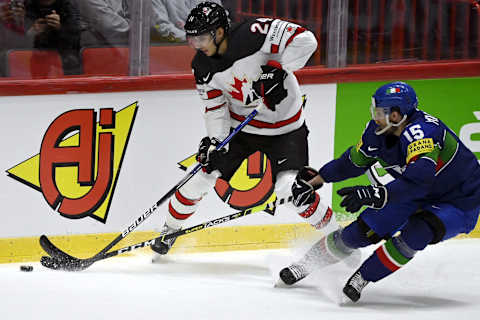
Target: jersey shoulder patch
<point>280,35</point>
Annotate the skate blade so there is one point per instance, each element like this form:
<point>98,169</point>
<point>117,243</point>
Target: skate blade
<point>345,301</point>
<point>280,284</point>
<point>160,259</point>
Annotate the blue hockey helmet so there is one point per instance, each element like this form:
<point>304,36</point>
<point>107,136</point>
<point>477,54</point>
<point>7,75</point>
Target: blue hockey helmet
<point>393,96</point>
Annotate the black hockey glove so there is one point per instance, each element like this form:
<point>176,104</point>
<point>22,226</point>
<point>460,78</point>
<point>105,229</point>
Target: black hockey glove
<point>356,197</point>
<point>270,86</point>
<point>302,191</point>
<point>207,156</point>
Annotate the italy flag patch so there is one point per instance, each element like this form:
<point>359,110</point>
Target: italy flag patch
<point>393,90</point>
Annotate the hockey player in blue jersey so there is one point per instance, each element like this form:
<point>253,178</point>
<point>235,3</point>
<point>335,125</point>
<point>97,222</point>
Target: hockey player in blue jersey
<point>435,194</point>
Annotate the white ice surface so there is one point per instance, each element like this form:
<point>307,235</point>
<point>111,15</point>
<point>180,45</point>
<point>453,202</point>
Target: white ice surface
<point>443,282</point>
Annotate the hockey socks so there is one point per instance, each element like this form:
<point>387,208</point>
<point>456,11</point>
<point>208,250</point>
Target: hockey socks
<point>390,256</point>
<point>180,207</point>
<point>397,251</point>
<point>328,250</point>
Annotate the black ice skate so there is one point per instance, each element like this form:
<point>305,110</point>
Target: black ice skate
<point>293,273</point>
<point>354,286</point>
<point>163,246</point>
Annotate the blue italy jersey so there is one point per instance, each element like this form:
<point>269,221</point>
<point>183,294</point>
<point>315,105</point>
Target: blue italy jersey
<point>428,161</point>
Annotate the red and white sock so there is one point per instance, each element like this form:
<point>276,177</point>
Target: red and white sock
<point>317,213</point>
<point>180,208</point>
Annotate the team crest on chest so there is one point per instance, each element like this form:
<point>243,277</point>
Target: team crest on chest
<point>242,90</point>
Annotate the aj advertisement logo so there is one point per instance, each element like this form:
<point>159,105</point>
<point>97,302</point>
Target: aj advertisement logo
<point>250,186</point>
<point>79,161</point>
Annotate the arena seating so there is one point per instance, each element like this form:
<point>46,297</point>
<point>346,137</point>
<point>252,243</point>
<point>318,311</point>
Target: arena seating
<point>105,61</point>
<point>114,60</point>
<point>27,64</point>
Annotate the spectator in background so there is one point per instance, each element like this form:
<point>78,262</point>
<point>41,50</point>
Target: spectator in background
<point>105,22</point>
<point>168,18</point>
<point>12,14</point>
<point>12,34</point>
<point>55,24</point>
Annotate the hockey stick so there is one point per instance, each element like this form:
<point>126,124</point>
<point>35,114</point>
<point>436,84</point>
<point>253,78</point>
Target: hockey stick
<point>64,261</point>
<point>54,252</point>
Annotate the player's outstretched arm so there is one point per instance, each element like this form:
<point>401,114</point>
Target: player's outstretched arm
<point>349,165</point>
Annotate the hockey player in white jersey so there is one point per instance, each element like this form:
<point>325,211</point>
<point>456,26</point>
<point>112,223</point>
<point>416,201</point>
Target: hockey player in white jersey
<point>235,68</point>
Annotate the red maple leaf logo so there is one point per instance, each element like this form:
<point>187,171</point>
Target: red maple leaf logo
<point>237,93</point>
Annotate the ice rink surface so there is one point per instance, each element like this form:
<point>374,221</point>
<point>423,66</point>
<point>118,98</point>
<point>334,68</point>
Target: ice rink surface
<point>443,282</point>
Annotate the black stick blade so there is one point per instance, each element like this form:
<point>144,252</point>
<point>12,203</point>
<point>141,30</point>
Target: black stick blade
<point>49,262</point>
<point>50,248</point>
<point>60,260</point>
<point>72,264</point>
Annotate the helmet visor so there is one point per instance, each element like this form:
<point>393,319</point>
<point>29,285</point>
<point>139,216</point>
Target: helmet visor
<point>378,113</point>
<point>200,41</point>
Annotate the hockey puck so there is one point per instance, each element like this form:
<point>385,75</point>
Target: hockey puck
<point>26,268</point>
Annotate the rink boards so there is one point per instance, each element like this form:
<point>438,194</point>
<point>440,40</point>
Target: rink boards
<point>82,167</point>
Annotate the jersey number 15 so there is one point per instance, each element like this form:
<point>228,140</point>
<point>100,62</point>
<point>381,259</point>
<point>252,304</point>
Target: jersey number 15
<point>414,131</point>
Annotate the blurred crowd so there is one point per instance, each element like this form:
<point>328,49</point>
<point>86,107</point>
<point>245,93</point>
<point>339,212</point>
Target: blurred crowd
<point>69,25</point>
<point>398,30</point>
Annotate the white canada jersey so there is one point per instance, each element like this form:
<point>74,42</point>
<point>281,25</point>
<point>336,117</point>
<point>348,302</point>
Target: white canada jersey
<point>225,82</point>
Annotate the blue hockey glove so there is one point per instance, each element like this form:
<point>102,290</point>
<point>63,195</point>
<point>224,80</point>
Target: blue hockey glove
<point>270,85</point>
<point>356,197</point>
<point>207,156</point>
<point>302,191</point>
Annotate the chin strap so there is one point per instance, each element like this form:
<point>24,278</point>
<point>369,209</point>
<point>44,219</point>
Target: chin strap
<point>389,125</point>
<point>217,46</point>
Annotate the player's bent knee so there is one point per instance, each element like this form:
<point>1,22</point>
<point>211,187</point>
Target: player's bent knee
<point>369,233</point>
<point>358,235</point>
<point>434,222</point>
